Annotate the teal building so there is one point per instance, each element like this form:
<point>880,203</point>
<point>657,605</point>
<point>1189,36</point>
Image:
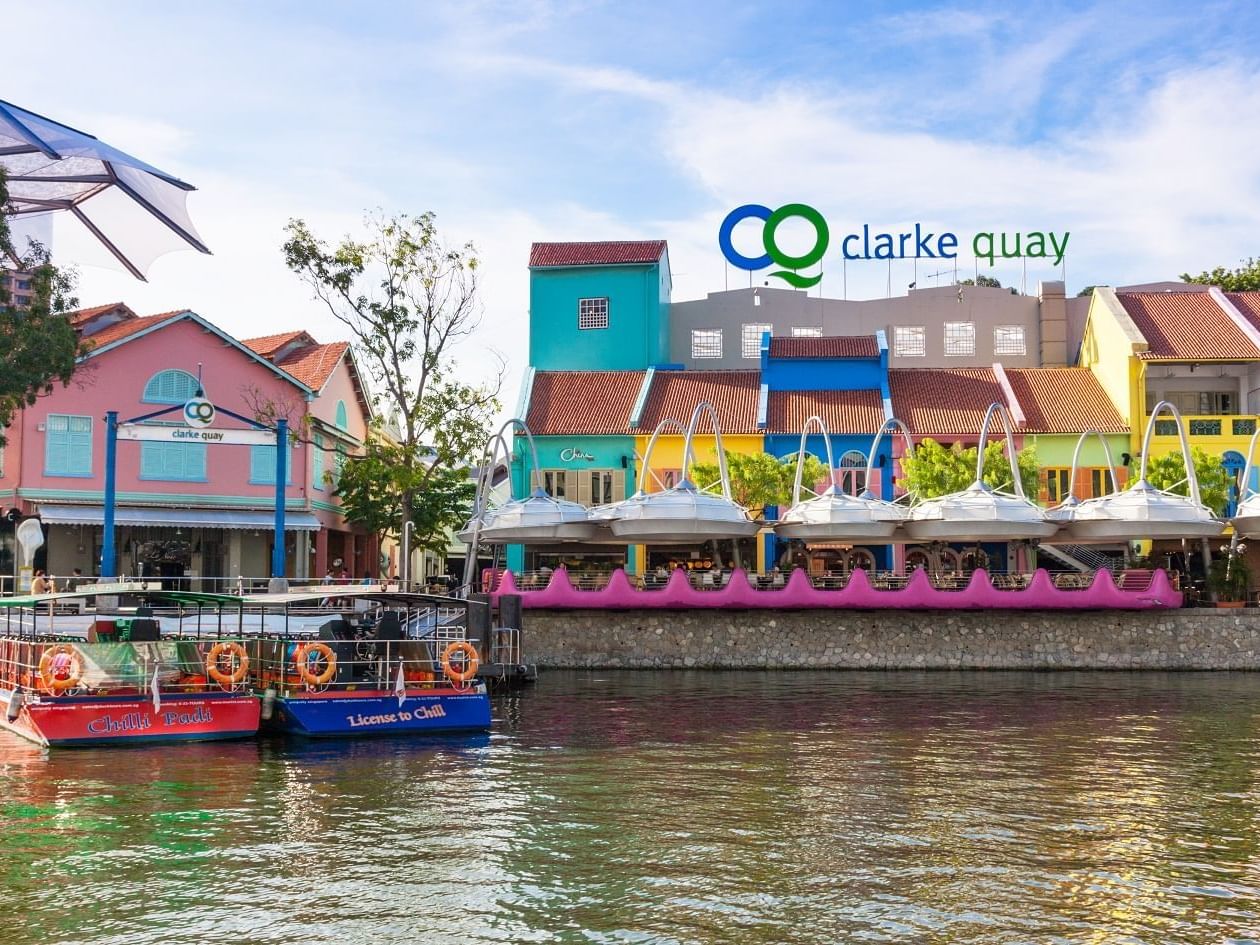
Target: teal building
<point>599,306</point>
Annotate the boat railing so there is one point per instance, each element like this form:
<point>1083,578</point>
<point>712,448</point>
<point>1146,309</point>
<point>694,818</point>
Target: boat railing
<point>48,666</point>
<point>316,666</point>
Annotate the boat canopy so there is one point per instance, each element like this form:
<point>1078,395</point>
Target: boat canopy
<point>835,515</point>
<point>1142,511</point>
<point>981,513</point>
<point>683,513</point>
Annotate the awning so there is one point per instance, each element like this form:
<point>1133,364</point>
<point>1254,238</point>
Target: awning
<point>177,518</point>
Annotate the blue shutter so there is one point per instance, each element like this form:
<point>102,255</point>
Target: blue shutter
<point>262,466</point>
<point>68,445</point>
<point>179,462</point>
<point>343,420</point>
<point>317,463</point>
<point>170,387</point>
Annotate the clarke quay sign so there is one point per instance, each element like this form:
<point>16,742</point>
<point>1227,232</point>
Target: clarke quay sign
<point>865,244</point>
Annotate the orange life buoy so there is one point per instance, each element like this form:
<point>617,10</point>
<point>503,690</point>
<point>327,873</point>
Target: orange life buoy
<point>60,668</point>
<point>301,661</point>
<point>239,657</point>
<point>471,661</point>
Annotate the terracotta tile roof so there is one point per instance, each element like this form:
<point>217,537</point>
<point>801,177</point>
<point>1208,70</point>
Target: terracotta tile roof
<point>596,254</point>
<point>675,395</point>
<point>844,411</point>
<point>835,346</point>
<point>1186,326</point>
<point>131,326</point>
<point>267,345</point>
<point>1063,400</point>
<point>314,364</point>
<point>79,316</point>
<point>1248,303</point>
<point>943,402</point>
<point>576,402</point>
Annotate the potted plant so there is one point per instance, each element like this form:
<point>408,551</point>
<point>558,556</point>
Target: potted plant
<point>1229,580</point>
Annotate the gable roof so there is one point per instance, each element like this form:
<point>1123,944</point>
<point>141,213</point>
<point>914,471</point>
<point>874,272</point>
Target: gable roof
<point>1248,303</point>
<point>675,394</point>
<point>606,253</point>
<point>111,337</point>
<point>1063,400</point>
<point>267,345</point>
<point>582,402</point>
<point>1186,326</point>
<point>844,411</point>
<point>832,346</point>
<point>128,327</point>
<point>314,364</point>
<point>81,316</point>
<point>943,401</point>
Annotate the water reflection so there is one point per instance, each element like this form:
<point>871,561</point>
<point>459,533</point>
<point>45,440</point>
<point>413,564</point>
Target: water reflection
<point>708,807</point>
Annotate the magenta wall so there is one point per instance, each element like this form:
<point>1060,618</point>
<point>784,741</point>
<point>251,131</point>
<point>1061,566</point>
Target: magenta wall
<point>115,380</point>
<point>799,594</point>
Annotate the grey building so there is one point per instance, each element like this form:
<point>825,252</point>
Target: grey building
<point>949,326</point>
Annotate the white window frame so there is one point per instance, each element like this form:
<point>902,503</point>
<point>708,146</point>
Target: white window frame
<point>703,343</point>
<point>960,339</point>
<point>1010,339</point>
<point>806,331</point>
<point>750,338</point>
<point>592,314</point>
<point>903,335</point>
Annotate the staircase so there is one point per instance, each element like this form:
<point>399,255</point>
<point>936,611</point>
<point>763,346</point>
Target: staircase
<point>1082,557</point>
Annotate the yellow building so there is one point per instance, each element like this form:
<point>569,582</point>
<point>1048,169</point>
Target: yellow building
<point>1194,346</point>
<point>674,395</point>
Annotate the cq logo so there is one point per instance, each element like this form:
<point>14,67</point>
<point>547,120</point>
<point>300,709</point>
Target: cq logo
<point>773,255</point>
<point>199,412</point>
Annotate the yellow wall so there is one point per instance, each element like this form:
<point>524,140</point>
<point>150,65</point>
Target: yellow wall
<point>668,454</point>
<point>1110,349</point>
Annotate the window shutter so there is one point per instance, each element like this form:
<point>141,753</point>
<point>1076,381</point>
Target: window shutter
<point>584,488</point>
<point>619,485</point>
<point>1043,492</point>
<point>1084,484</point>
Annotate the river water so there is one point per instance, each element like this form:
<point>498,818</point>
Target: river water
<point>672,807</point>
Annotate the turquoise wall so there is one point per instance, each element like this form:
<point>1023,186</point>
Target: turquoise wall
<point>638,318</point>
<point>606,450</point>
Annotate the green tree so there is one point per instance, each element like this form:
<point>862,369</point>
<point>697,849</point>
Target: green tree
<point>408,299</point>
<point>937,470</point>
<point>1168,472</point>
<point>40,348</point>
<point>1088,290</point>
<point>372,488</point>
<point>983,281</point>
<point>759,479</point>
<point>1246,278</point>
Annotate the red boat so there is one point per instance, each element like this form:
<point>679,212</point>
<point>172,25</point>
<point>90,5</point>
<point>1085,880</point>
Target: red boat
<point>117,681</point>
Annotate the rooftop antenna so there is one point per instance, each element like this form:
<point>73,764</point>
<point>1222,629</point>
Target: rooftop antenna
<point>943,272</point>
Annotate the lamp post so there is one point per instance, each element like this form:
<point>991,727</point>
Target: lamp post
<point>406,555</point>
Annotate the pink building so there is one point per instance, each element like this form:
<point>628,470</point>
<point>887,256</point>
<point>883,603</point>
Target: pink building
<point>191,510</point>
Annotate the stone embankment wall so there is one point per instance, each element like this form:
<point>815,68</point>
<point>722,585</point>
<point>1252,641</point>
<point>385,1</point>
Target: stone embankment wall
<point>831,639</point>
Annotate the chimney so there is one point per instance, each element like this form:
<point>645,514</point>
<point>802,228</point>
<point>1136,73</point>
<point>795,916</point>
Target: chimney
<point>1053,317</point>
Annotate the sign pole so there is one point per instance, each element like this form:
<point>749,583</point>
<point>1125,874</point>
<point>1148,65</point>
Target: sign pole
<point>277,551</point>
<point>111,458</point>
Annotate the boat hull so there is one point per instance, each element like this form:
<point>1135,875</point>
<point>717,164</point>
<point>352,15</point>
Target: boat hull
<point>81,721</point>
<point>355,714</point>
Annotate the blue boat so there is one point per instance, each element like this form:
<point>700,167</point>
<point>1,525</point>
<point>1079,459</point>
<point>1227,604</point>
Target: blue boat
<point>356,660</point>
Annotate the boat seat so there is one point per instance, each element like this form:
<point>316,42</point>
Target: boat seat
<point>389,627</point>
<point>338,629</point>
<point>145,630</point>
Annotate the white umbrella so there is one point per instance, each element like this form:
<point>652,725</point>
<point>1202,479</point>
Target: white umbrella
<point>136,211</point>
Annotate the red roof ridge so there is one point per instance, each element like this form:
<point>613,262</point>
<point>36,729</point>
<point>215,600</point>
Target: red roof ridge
<point>596,253</point>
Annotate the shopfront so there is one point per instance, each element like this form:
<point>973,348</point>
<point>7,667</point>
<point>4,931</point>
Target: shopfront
<point>589,470</point>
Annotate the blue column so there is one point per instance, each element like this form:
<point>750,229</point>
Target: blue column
<point>282,474</point>
<point>111,461</point>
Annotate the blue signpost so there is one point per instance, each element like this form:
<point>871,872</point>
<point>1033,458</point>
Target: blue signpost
<point>198,414</point>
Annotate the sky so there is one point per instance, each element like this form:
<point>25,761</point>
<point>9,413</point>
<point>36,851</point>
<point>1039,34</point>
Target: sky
<point>1130,125</point>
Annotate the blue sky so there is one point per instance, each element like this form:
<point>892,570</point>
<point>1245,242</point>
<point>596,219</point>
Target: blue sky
<point>1130,124</point>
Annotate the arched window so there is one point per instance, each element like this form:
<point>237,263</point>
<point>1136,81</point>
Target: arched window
<point>343,418</point>
<point>170,387</point>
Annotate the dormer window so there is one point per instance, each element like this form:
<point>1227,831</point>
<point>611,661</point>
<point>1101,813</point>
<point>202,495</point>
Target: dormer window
<point>592,313</point>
